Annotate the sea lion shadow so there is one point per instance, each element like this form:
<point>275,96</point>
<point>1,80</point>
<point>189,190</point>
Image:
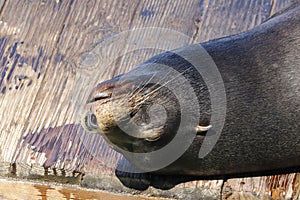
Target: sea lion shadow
<point>133,178</point>
<point>144,181</point>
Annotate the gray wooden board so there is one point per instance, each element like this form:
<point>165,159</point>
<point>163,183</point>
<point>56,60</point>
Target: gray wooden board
<point>43,84</point>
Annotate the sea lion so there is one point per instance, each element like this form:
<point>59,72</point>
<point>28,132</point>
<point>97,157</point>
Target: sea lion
<point>260,70</point>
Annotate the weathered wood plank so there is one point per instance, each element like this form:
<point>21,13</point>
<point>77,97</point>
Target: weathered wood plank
<point>277,187</point>
<point>11,189</point>
<point>231,17</point>
<point>2,6</point>
<point>26,49</point>
<point>81,79</point>
<point>82,82</point>
<point>44,84</point>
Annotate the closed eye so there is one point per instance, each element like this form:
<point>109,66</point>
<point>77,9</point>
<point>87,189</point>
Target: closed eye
<point>99,96</point>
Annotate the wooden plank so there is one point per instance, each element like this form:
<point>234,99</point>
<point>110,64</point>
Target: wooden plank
<point>26,50</point>
<point>278,187</point>
<point>232,17</point>
<point>2,6</point>
<point>45,83</point>
<point>82,28</point>
<point>80,79</point>
<point>11,189</point>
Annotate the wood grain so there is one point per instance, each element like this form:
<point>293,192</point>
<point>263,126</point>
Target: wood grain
<point>45,81</point>
<point>10,189</point>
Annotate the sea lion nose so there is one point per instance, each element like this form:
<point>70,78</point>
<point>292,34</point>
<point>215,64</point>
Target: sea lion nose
<point>90,121</point>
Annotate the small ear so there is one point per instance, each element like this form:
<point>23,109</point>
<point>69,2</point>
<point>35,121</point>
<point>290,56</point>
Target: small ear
<point>201,129</point>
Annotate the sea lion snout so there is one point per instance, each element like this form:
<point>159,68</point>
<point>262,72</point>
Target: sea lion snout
<point>128,114</point>
<point>99,95</point>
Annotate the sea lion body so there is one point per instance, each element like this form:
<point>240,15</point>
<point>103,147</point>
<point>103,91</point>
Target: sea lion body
<point>261,74</point>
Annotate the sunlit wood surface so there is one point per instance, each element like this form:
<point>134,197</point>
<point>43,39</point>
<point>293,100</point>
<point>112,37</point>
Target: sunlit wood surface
<point>43,86</point>
<point>12,189</point>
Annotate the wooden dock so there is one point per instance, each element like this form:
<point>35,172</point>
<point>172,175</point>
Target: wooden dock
<point>45,80</point>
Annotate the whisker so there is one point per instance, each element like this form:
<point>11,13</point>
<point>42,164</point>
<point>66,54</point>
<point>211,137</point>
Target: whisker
<point>167,82</point>
<point>128,94</point>
<point>150,80</point>
<point>138,90</point>
<point>140,103</point>
<point>134,94</point>
<point>148,95</point>
<point>154,85</point>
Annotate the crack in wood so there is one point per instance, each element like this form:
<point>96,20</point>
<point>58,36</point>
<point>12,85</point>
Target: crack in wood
<point>13,169</point>
<point>3,8</point>
<point>135,13</point>
<point>273,6</point>
<point>222,188</point>
<point>199,23</point>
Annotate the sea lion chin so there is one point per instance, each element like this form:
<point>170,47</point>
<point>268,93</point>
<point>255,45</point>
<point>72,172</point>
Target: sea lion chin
<point>261,74</point>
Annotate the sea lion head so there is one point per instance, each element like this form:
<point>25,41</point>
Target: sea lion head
<point>132,113</point>
<point>138,111</point>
